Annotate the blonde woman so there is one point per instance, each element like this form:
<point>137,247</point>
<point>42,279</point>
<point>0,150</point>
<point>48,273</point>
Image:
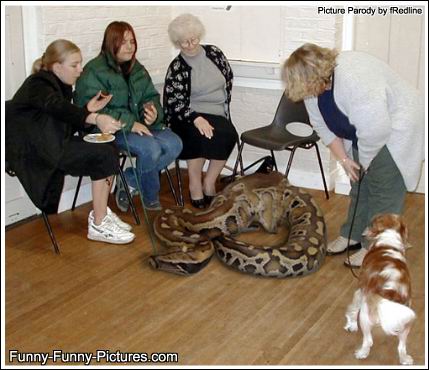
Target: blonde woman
<point>197,95</point>
<point>41,147</point>
<point>371,120</point>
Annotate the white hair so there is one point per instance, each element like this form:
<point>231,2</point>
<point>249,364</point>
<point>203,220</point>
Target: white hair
<point>184,27</point>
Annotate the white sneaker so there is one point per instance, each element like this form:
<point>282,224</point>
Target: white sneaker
<point>108,231</point>
<point>356,259</point>
<point>339,245</point>
<point>115,218</point>
<point>118,221</point>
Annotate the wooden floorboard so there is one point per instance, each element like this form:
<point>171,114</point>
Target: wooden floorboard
<point>100,296</point>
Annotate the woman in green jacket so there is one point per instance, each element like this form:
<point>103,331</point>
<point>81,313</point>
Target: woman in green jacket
<point>136,103</point>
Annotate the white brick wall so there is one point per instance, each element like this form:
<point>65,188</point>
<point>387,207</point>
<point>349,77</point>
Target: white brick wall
<point>85,25</point>
<point>303,24</point>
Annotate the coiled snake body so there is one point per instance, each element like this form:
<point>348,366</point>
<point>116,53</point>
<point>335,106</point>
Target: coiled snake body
<point>265,199</point>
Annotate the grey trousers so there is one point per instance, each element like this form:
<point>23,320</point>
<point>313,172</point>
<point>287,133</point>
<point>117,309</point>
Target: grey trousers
<point>382,190</point>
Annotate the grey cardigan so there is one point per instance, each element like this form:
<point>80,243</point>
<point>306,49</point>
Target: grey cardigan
<point>384,109</point>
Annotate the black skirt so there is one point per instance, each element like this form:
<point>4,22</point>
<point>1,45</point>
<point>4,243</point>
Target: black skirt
<point>97,161</point>
<point>195,145</point>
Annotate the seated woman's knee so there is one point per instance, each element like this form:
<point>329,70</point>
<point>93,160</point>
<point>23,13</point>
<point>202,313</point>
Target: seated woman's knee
<point>105,155</point>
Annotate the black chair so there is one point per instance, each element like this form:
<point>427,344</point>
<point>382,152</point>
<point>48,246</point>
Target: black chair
<point>12,173</point>
<point>123,155</point>
<point>276,137</point>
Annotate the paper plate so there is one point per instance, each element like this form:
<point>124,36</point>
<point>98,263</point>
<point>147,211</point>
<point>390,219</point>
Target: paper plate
<point>299,129</point>
<point>99,138</point>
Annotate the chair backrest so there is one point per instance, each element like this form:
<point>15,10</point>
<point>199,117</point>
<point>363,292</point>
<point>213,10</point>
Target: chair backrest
<point>288,111</point>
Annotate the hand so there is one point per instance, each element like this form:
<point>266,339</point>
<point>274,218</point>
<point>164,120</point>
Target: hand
<point>351,167</point>
<point>204,127</point>
<point>140,129</point>
<point>150,113</point>
<point>107,124</point>
<point>98,102</point>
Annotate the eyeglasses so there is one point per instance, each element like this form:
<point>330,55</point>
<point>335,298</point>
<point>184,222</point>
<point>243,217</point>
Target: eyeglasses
<point>188,43</point>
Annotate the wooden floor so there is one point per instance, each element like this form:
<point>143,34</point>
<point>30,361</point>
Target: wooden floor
<point>100,296</point>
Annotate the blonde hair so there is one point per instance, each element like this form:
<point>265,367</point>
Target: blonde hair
<point>184,27</point>
<point>308,71</point>
<point>56,52</point>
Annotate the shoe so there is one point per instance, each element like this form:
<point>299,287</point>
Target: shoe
<point>109,232</point>
<point>208,199</point>
<point>123,225</point>
<point>154,206</point>
<point>198,203</point>
<point>122,201</point>
<point>356,259</point>
<point>339,245</point>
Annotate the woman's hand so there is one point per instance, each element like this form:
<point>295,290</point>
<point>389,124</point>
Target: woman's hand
<point>140,129</point>
<point>107,124</point>
<point>351,167</point>
<point>150,113</point>
<point>204,127</point>
<point>98,102</point>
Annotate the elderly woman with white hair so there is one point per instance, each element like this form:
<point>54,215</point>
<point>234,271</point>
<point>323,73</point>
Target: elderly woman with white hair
<point>197,95</point>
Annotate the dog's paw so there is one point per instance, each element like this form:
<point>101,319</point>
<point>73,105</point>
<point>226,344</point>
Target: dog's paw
<point>406,360</point>
<point>351,326</point>
<point>362,353</point>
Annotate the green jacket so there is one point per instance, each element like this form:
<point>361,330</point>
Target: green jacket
<point>102,73</point>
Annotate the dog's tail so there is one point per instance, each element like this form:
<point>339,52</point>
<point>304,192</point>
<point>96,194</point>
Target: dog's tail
<point>394,317</point>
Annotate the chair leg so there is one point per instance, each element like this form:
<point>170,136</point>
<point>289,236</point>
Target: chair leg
<point>130,199</point>
<point>238,160</point>
<point>179,184</point>
<point>274,160</point>
<point>289,163</point>
<point>76,193</point>
<point>170,183</point>
<point>241,159</point>
<point>51,234</point>
<point>321,170</point>
<point>123,158</point>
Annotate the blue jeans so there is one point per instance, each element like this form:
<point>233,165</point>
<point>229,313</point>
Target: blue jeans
<point>153,153</point>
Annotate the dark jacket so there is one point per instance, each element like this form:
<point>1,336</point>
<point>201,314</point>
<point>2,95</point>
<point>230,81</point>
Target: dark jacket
<point>129,94</point>
<point>39,120</point>
<point>177,87</point>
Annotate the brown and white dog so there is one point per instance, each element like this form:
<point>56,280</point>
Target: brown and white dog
<point>384,294</point>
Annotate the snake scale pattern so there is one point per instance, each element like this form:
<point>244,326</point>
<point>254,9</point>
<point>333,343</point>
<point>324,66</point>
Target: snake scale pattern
<point>268,200</point>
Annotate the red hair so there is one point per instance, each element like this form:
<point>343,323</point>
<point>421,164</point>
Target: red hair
<point>112,41</point>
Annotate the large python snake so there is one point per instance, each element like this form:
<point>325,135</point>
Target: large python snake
<point>265,199</point>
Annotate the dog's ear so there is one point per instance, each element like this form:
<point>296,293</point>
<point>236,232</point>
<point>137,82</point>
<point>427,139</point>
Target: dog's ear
<point>402,229</point>
<point>376,227</point>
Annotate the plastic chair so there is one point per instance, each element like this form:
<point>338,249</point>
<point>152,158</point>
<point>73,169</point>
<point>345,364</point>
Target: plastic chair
<point>276,137</point>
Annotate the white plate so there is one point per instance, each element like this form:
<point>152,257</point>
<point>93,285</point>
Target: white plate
<point>99,138</point>
<point>299,129</point>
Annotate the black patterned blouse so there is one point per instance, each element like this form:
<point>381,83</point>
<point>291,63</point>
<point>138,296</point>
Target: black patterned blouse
<point>177,87</point>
